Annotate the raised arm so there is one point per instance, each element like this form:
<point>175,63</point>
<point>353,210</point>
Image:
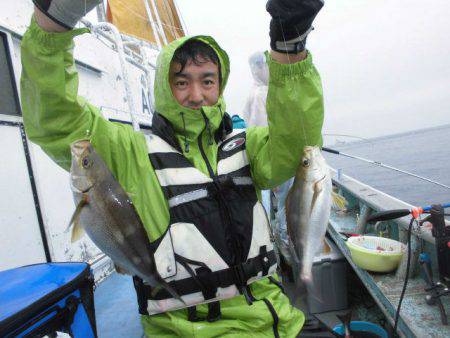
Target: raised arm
<point>54,115</point>
<point>295,98</point>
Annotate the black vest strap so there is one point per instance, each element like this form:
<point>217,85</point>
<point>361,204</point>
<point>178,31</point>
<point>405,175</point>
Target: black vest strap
<point>236,275</point>
<point>192,314</point>
<point>214,313</point>
<point>208,291</point>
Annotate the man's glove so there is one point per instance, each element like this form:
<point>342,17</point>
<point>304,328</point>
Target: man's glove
<point>66,12</point>
<point>291,23</point>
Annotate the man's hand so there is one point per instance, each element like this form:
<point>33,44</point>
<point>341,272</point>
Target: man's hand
<point>63,13</point>
<point>291,23</point>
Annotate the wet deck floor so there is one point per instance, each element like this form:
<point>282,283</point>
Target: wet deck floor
<point>116,308</point>
<point>117,314</point>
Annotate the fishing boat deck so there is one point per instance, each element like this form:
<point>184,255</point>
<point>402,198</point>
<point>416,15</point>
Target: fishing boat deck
<point>116,308</point>
<point>117,315</point>
<point>418,319</point>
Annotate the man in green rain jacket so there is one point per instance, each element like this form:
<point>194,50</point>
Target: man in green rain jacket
<point>55,116</point>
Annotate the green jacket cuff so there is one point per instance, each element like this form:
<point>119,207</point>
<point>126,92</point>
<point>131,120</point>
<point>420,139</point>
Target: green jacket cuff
<point>279,71</point>
<point>53,41</point>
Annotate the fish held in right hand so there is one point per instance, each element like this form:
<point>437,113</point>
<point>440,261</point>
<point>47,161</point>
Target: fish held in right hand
<point>106,213</point>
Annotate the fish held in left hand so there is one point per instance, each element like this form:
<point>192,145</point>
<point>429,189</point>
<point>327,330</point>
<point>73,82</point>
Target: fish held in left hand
<point>105,212</point>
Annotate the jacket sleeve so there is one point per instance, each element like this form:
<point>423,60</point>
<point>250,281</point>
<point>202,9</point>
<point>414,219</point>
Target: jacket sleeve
<point>295,115</point>
<point>55,116</point>
<point>53,113</point>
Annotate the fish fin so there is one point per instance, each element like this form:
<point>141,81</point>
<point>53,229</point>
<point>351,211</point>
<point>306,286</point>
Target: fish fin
<point>326,247</point>
<point>338,202</point>
<point>120,270</point>
<point>76,214</point>
<point>318,187</point>
<point>287,204</point>
<point>77,232</point>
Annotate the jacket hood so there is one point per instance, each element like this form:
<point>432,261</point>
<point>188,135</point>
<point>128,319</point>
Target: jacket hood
<point>188,122</point>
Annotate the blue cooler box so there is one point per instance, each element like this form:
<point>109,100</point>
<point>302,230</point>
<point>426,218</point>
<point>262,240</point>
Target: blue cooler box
<point>41,299</point>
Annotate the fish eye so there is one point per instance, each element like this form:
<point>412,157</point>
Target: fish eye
<point>305,162</point>
<point>86,163</point>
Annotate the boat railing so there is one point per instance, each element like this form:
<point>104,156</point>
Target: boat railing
<point>124,48</point>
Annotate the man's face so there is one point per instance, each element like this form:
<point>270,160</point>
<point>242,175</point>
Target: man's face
<point>197,85</point>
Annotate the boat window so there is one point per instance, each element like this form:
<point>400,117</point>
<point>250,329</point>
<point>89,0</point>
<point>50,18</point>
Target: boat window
<point>9,102</point>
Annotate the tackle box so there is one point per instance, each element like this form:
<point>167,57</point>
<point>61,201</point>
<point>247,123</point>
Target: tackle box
<point>43,299</point>
<point>329,290</point>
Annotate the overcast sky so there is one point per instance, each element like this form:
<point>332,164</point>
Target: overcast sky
<point>384,64</point>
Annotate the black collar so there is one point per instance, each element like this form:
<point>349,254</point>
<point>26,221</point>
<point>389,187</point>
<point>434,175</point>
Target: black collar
<point>163,128</point>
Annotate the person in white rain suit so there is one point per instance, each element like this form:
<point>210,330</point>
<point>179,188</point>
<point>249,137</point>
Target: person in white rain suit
<point>254,112</point>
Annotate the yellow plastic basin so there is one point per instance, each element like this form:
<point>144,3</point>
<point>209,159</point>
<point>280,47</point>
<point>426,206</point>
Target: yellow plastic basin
<point>376,254</point>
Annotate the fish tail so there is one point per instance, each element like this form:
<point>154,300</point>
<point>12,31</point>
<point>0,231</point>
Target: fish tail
<point>307,280</point>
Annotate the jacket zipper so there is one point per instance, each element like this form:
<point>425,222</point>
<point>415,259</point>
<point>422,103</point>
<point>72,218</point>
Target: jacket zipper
<point>222,201</point>
<point>202,151</point>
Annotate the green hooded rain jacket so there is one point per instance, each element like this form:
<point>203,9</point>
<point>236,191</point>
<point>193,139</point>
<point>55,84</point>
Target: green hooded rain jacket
<point>55,116</point>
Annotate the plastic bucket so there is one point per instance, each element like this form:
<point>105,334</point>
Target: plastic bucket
<point>378,331</point>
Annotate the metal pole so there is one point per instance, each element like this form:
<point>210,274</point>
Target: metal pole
<point>119,44</point>
<point>101,13</point>
<point>152,23</point>
<point>183,24</point>
<point>158,19</point>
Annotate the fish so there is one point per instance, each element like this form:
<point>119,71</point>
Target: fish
<point>106,213</point>
<point>308,207</point>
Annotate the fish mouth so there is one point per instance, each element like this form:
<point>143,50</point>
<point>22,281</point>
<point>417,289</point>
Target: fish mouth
<point>311,151</point>
<point>79,182</point>
<point>314,177</point>
<point>78,148</point>
<point>79,190</point>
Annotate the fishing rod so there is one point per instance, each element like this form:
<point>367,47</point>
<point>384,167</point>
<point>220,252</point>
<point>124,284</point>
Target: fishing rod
<point>380,164</point>
<point>397,213</point>
<point>350,136</point>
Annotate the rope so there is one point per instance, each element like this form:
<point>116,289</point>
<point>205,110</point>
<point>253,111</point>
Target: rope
<point>130,10</point>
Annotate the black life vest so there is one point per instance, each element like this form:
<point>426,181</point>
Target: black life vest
<point>218,240</point>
